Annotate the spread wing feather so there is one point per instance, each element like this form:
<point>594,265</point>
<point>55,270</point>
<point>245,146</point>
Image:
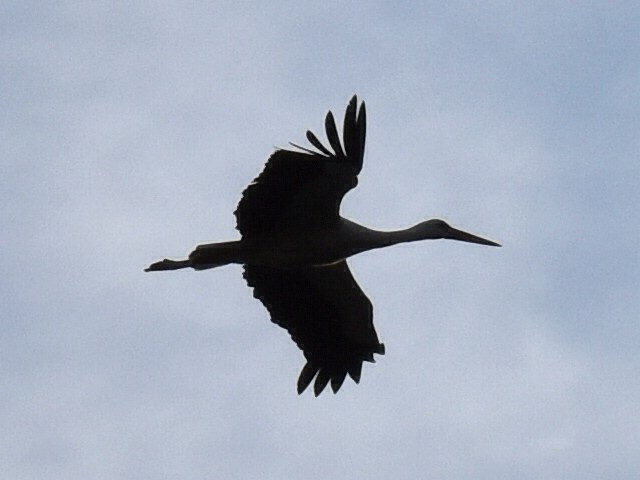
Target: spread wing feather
<point>332,134</point>
<point>327,315</point>
<point>317,143</point>
<point>304,188</point>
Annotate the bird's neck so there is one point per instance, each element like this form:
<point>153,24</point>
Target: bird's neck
<point>380,239</point>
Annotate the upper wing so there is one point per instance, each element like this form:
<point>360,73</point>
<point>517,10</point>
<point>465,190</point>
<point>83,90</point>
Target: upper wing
<point>327,315</point>
<point>299,188</point>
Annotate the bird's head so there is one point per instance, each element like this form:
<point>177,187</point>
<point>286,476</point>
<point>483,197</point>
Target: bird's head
<point>436,228</point>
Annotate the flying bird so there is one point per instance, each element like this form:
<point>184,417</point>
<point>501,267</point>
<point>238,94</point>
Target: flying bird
<point>294,245</point>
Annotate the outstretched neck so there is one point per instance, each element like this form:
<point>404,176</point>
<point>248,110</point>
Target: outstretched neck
<point>380,239</point>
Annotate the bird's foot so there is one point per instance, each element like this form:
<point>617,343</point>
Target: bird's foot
<point>167,264</point>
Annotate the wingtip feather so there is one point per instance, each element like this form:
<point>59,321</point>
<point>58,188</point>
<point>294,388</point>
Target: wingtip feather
<point>306,376</point>
<point>337,381</point>
<point>321,382</point>
<point>332,134</point>
<point>355,371</point>
<point>354,132</point>
<point>317,143</point>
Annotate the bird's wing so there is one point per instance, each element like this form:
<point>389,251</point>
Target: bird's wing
<point>328,316</point>
<point>302,188</point>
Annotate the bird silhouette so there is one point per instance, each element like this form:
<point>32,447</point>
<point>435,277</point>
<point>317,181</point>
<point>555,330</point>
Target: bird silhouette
<point>294,245</point>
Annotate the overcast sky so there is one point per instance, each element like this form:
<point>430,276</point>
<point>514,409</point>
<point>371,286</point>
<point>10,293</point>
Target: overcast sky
<point>129,130</point>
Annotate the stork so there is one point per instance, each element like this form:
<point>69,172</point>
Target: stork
<point>294,245</point>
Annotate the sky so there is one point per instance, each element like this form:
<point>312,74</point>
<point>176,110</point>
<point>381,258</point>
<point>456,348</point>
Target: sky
<point>128,132</point>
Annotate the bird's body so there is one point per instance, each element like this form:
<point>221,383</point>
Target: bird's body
<point>294,248</point>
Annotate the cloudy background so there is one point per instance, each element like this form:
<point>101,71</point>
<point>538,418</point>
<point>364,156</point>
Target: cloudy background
<point>129,130</point>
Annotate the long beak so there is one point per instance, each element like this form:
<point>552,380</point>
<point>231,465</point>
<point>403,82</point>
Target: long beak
<point>455,234</point>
